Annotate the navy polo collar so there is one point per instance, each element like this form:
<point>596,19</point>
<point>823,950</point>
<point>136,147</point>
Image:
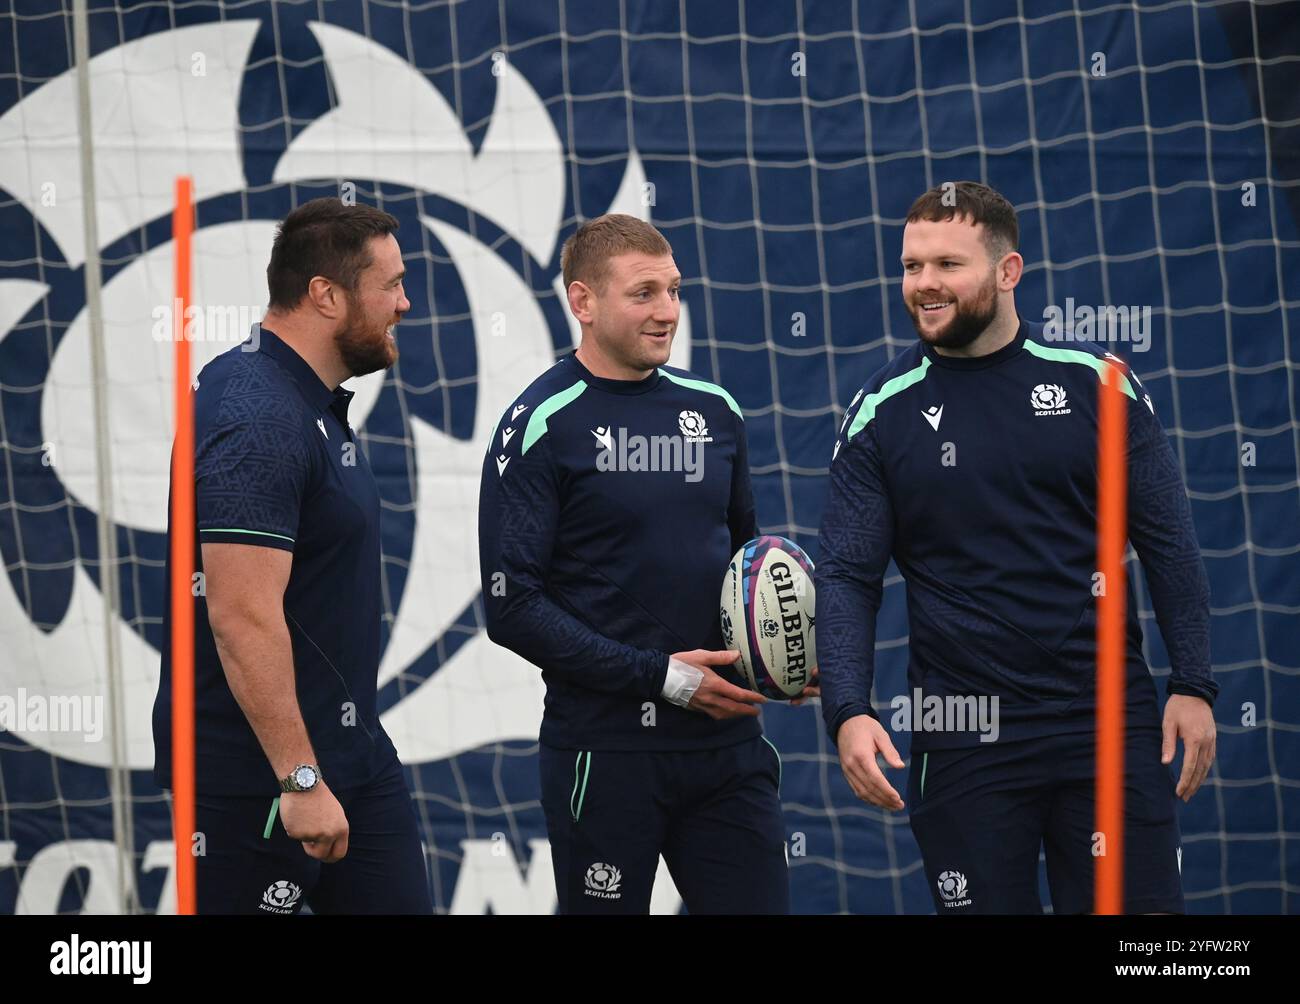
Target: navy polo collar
<point>312,387</point>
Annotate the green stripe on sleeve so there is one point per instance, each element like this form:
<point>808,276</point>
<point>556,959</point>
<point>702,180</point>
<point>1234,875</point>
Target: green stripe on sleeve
<point>235,529</point>
<point>888,389</point>
<point>1077,356</point>
<point>704,385</point>
<point>536,428</point>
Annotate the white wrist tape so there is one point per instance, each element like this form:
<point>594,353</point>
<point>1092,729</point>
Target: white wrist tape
<point>682,681</point>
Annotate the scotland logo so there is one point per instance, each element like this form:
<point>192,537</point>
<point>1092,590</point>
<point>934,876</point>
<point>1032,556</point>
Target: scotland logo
<point>694,427</point>
<point>482,223</point>
<point>280,897</point>
<point>1049,399</point>
<point>603,881</point>
<point>952,887</point>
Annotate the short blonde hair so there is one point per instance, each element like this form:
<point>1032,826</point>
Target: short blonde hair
<point>586,254</point>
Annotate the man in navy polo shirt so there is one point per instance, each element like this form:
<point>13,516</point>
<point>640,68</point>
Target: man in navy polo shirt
<point>290,756</point>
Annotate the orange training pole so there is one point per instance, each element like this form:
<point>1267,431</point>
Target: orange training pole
<point>182,563</point>
<point>1112,538</point>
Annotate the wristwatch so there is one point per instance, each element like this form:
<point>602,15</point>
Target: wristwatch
<point>304,777</point>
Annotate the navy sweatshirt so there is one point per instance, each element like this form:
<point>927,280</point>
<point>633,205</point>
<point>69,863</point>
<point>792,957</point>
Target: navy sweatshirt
<point>608,513</point>
<point>978,476</point>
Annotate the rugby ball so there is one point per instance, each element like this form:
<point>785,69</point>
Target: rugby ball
<point>767,612</point>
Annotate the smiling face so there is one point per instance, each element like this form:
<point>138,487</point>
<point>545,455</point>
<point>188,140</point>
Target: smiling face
<point>951,287</point>
<point>632,314</point>
<point>365,337</point>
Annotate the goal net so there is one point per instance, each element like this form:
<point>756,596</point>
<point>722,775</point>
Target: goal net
<point>1152,151</point>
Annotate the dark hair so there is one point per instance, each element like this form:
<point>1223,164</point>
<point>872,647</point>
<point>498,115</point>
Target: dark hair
<point>974,202</point>
<point>586,254</point>
<point>322,237</point>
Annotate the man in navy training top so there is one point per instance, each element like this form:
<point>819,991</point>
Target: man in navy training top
<point>290,756</point>
<point>615,491</point>
<point>971,460</point>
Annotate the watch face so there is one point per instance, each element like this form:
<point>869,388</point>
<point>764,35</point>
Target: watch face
<point>304,777</point>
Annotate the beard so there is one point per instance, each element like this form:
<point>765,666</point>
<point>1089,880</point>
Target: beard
<point>364,349</point>
<point>969,320</point>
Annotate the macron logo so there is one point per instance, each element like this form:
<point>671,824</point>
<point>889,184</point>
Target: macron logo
<point>519,410</point>
<point>505,437</point>
<point>320,424</point>
<point>604,436</point>
<point>501,465</point>
<point>934,416</point>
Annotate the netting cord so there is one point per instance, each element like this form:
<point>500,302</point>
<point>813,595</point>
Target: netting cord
<point>118,774</point>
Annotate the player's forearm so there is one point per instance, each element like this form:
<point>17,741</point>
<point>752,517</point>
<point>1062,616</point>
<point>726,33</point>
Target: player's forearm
<point>533,626</point>
<point>257,658</point>
<point>516,539</point>
<point>846,641</point>
<point>1164,536</point>
<point>1180,595</point>
<point>856,540</point>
